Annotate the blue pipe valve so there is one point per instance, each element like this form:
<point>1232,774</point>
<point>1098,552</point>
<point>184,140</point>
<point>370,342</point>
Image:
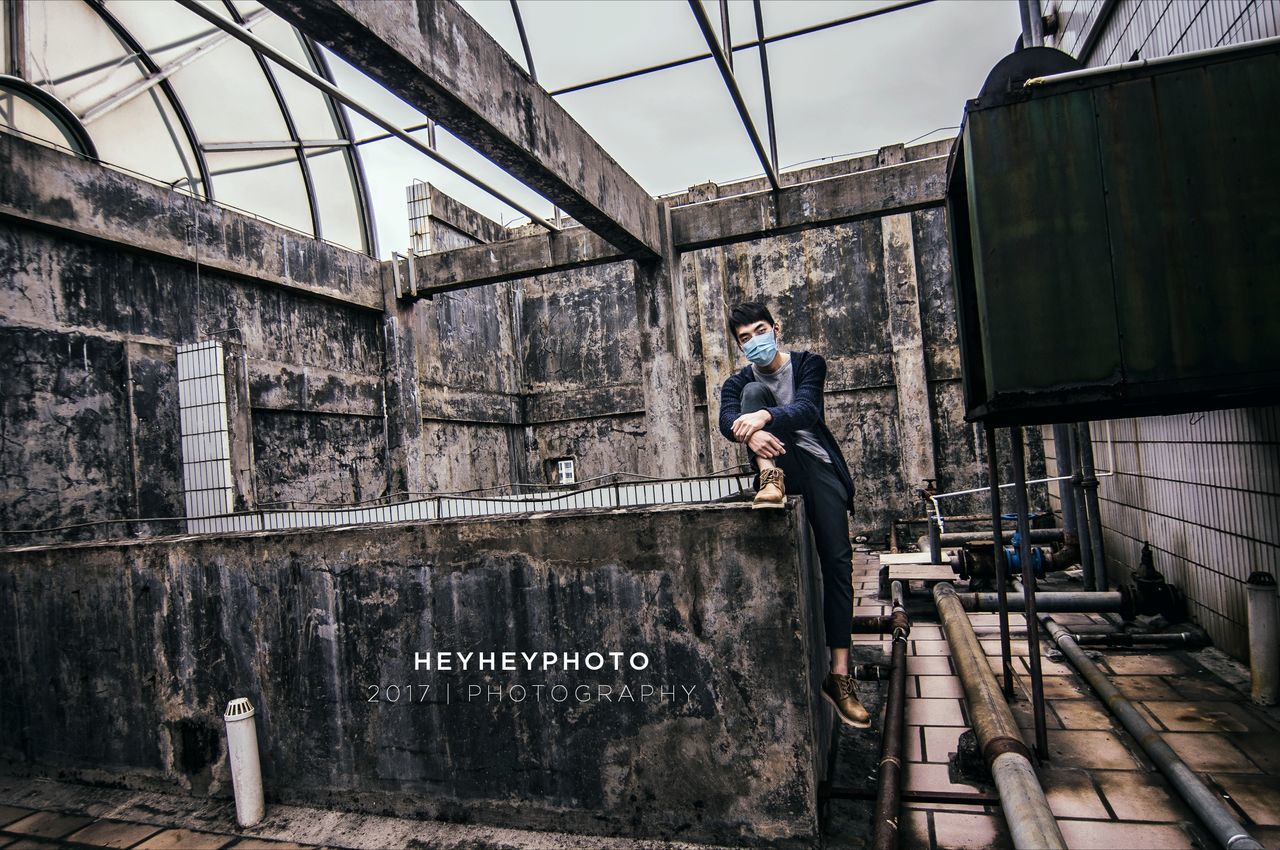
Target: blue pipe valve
<point>1013,557</point>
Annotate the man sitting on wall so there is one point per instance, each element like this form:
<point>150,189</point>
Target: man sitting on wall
<point>775,407</point>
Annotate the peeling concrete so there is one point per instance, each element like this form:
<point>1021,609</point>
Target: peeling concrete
<point>721,600</point>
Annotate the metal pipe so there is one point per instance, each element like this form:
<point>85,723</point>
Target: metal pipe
<point>1167,640</point>
<point>1032,23</point>
<point>1029,590</point>
<point>1031,823</point>
<point>1074,602</point>
<point>747,45</point>
<point>999,565</point>
<point>1089,482</point>
<point>1062,448</point>
<point>524,40</point>
<point>1264,638</point>
<point>1038,535</point>
<point>889,784</point>
<point>1262,44</point>
<point>261,47</point>
<point>1083,534</point>
<point>726,72</point>
<point>1204,802</point>
<point>768,85</point>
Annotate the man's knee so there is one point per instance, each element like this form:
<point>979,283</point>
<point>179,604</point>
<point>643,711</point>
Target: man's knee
<point>756,396</point>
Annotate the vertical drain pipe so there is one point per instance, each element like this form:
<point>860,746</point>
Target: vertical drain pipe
<point>1206,804</point>
<point>999,563</point>
<point>889,784</point>
<point>242,752</point>
<point>1022,800</point>
<point>1090,483</point>
<point>1264,639</point>
<point>1029,591</point>
<point>1082,515</point>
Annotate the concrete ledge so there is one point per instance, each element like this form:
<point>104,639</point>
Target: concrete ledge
<point>116,660</point>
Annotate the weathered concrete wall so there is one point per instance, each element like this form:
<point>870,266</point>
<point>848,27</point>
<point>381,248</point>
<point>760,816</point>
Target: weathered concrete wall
<point>887,336</point>
<point>116,661</point>
<point>101,275</point>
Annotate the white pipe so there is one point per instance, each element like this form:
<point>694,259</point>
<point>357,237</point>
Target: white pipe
<point>1264,639</point>
<point>1147,63</point>
<point>242,753</point>
<point>1111,454</point>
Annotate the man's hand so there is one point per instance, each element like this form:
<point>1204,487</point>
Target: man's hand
<point>766,445</point>
<point>749,423</point>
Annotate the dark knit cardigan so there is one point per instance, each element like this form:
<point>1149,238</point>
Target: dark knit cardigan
<point>804,413</point>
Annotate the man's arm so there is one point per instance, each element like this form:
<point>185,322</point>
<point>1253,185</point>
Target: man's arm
<point>805,408</point>
<point>731,404</point>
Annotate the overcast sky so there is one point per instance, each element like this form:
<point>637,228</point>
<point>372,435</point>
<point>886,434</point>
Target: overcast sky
<point>845,90</point>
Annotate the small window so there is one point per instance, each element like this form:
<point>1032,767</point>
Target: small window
<point>564,471</point>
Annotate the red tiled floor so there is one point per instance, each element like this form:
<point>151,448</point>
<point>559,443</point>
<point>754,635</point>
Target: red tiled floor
<point>1088,749</point>
<point>1103,835</point>
<point>1055,687</point>
<point>970,832</point>
<point>1081,713</point>
<point>940,742</point>
<point>109,833</point>
<point>929,666</point>
<point>48,825</point>
<point>931,777</point>
<point>1071,794</point>
<point>185,839</point>
<point>9,814</point>
<point>1259,796</point>
<point>1204,717</point>
<point>911,743</point>
<point>940,686</point>
<point>930,647</point>
<point>1144,687</point>
<point>1197,689</point>
<point>1263,748</point>
<point>1145,664</point>
<point>1139,796</point>
<point>934,712</point>
<point>1209,751</point>
<point>913,828</point>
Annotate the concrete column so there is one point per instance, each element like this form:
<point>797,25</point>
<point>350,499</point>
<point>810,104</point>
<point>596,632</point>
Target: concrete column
<point>402,402</point>
<point>665,362</point>
<point>915,423</point>
<point>718,351</point>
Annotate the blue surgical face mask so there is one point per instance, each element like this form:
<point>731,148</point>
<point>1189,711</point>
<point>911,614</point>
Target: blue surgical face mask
<point>761,349</point>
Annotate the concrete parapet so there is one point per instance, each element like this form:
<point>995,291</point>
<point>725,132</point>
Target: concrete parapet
<point>117,658</point>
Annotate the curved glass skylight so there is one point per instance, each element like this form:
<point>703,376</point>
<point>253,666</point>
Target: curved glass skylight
<point>162,93</point>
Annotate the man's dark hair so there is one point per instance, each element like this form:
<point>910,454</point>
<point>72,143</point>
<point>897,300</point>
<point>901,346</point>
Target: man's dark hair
<point>748,313</point>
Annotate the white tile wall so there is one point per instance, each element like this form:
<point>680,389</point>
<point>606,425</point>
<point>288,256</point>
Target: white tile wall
<point>1204,489</point>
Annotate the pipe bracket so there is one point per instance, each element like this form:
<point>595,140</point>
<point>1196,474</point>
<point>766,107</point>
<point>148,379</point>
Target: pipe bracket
<point>997,747</point>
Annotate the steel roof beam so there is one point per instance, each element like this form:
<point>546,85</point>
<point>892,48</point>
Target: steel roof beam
<point>906,187</point>
<point>263,48</point>
<point>726,71</point>
<point>746,45</point>
<point>435,57</point>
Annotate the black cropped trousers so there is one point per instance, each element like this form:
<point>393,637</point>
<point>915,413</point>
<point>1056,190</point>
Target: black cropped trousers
<point>825,505</point>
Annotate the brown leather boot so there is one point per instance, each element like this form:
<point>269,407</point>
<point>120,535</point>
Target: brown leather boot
<point>773,489</point>
<point>838,690</point>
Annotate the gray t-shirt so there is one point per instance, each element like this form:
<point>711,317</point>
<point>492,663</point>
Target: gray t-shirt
<point>781,384</point>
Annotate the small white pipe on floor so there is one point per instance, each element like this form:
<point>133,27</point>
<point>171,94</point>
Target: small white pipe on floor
<point>1264,638</point>
<point>242,753</point>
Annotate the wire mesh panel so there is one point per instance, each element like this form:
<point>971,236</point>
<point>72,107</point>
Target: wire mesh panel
<point>206,446</point>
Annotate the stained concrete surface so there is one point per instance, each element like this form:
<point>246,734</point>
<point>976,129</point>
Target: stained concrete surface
<point>116,660</point>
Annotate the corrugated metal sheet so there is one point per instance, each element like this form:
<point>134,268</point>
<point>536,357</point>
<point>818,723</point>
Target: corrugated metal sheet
<point>1147,234</point>
<point>1204,488</point>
